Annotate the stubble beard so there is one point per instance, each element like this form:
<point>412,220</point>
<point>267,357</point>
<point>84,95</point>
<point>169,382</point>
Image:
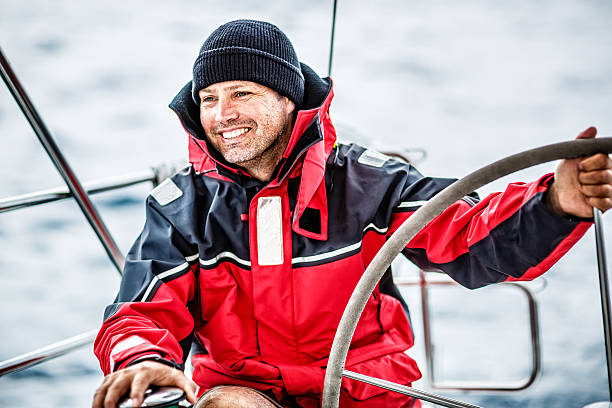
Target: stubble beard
<point>265,157</point>
<point>256,156</point>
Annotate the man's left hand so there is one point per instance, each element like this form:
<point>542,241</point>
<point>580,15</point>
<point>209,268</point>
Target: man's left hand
<point>581,184</point>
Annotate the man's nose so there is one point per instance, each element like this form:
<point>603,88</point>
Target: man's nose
<point>226,110</point>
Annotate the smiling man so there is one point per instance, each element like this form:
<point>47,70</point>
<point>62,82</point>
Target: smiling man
<point>248,123</point>
<point>249,255</point>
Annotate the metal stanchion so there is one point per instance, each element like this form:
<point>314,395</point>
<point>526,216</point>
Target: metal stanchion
<point>604,290</point>
<point>75,187</point>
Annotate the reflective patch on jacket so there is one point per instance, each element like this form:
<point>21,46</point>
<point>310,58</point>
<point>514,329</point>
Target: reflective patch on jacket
<point>166,192</point>
<point>373,158</point>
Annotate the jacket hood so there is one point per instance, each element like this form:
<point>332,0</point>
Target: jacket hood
<point>311,142</point>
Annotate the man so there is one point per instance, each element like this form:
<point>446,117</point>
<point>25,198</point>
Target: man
<point>251,252</point>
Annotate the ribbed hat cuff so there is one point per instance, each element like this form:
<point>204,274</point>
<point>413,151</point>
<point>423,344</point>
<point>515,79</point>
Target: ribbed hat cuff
<point>247,64</point>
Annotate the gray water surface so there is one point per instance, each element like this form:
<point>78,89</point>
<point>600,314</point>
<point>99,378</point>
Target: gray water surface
<point>468,81</point>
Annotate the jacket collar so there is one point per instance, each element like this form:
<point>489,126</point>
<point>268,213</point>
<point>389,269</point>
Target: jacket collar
<point>311,142</point>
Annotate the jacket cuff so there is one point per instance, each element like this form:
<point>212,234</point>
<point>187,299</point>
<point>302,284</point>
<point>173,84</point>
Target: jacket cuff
<point>157,358</point>
<point>130,349</point>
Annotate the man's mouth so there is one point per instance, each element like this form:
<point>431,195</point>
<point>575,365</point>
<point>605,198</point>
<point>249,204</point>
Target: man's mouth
<point>234,133</point>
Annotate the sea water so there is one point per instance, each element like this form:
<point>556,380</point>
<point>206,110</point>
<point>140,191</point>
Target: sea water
<point>469,82</point>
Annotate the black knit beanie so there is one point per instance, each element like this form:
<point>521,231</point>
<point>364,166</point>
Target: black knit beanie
<point>249,50</point>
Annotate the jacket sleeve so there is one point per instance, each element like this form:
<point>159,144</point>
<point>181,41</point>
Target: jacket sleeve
<point>506,236</point>
<point>151,317</point>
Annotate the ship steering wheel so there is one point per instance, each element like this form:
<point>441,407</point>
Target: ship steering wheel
<point>342,340</point>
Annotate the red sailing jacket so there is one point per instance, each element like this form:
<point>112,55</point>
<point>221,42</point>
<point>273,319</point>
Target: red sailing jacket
<point>256,275</point>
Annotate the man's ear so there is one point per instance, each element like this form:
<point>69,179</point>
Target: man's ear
<point>289,105</point>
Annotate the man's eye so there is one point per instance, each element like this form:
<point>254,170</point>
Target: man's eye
<point>207,99</point>
<point>242,93</point>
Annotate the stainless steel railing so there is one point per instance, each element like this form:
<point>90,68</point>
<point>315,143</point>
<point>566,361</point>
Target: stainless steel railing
<point>23,361</point>
<point>73,189</point>
<point>443,280</point>
<point>153,175</point>
<point>60,162</point>
<point>61,193</point>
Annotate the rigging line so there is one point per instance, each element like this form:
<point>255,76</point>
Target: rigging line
<point>331,43</point>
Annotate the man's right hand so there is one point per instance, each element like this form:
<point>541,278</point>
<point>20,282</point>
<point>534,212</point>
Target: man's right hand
<point>136,379</point>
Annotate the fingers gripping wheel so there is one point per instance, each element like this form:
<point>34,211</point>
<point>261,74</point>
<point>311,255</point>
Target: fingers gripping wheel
<point>393,246</point>
<point>158,397</point>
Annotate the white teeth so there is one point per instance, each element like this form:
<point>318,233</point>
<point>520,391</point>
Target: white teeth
<point>234,133</point>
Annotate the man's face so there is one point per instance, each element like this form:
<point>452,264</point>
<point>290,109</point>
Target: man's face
<point>246,122</point>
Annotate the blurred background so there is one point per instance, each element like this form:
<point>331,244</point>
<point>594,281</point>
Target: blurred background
<point>470,82</point>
